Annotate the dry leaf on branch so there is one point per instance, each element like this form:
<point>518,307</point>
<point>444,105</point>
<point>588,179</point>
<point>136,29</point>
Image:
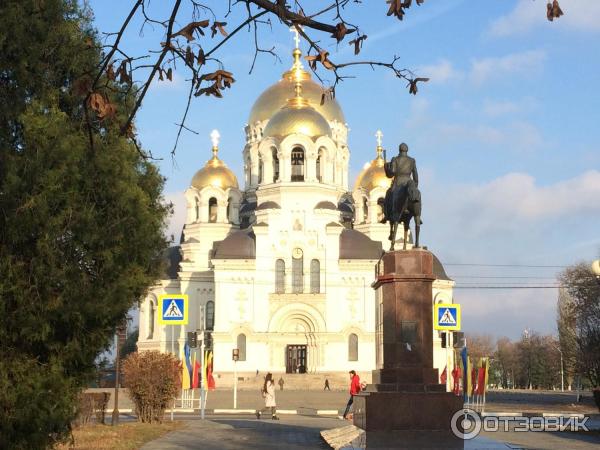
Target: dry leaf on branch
<point>413,85</point>
<point>101,106</point>
<point>189,56</point>
<point>219,26</point>
<point>110,73</point>
<point>322,57</point>
<point>188,30</point>
<point>340,31</point>
<point>328,94</point>
<point>170,74</point>
<point>553,10</point>
<point>201,59</point>
<point>358,43</point>
<point>221,80</point>
<point>124,76</point>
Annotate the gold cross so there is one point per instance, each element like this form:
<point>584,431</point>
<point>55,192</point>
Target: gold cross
<point>294,30</point>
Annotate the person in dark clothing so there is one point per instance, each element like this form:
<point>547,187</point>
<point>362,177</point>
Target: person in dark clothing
<point>354,389</point>
<point>280,382</point>
<point>326,388</point>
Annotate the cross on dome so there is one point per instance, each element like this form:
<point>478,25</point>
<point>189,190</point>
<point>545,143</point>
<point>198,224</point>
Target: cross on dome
<point>379,135</point>
<point>214,137</point>
<point>294,30</point>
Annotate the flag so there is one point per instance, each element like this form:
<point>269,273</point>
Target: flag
<point>444,375</point>
<point>473,385</point>
<point>482,376</point>
<point>185,367</point>
<point>210,381</point>
<point>466,372</point>
<point>456,378</point>
<point>196,369</point>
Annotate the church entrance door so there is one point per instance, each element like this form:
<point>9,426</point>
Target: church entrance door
<point>295,361</point>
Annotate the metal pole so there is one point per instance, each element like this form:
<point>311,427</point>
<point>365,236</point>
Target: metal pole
<point>173,353</point>
<point>202,368</point>
<point>234,384</point>
<point>562,373</point>
<point>115,413</point>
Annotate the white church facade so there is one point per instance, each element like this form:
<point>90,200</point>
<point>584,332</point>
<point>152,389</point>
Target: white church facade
<point>282,267</point>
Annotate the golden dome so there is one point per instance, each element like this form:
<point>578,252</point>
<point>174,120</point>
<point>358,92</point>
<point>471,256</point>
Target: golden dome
<point>373,175</point>
<point>276,96</point>
<point>298,115</point>
<point>304,120</point>
<point>214,173</point>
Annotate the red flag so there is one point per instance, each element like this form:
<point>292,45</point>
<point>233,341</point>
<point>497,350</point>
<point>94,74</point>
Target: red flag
<point>209,372</point>
<point>473,380</point>
<point>456,378</point>
<point>195,377</point>
<point>444,376</point>
<point>481,380</point>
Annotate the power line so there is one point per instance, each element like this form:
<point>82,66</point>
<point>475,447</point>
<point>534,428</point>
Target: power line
<point>504,265</point>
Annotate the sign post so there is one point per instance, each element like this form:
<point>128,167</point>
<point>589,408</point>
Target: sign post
<point>446,316</point>
<point>173,311</point>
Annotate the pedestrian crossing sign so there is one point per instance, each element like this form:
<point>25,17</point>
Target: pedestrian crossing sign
<point>173,309</point>
<point>446,316</point>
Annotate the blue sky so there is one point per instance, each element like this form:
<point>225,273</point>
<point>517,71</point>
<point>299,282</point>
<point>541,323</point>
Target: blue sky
<point>505,134</point>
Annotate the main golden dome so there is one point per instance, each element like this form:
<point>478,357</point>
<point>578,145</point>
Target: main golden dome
<point>215,173</point>
<point>276,97</point>
<point>373,175</point>
<point>304,120</point>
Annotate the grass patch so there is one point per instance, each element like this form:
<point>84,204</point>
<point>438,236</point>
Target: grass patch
<point>126,436</point>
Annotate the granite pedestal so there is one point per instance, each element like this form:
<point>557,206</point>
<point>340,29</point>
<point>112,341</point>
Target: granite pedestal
<point>406,393</point>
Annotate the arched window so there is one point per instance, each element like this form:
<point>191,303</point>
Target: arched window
<point>241,345</point>
<point>261,169</point>
<point>319,166</point>
<point>212,210</point>
<point>315,276</point>
<point>280,276</point>
<point>275,166</point>
<point>353,347</point>
<point>209,315</point>
<point>297,164</point>
<point>197,206</point>
<point>365,210</point>
<point>297,275</point>
<point>150,317</point>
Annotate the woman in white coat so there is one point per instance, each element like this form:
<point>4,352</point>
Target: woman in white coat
<point>268,393</point>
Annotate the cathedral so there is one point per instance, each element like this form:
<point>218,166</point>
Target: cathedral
<point>281,267</point>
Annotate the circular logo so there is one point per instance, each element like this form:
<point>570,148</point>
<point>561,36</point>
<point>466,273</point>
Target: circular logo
<point>465,424</point>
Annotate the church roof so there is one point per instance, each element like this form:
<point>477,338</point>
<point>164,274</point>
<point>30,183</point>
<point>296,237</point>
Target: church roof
<point>170,260</point>
<point>238,245</point>
<point>356,245</point>
<point>438,270</point>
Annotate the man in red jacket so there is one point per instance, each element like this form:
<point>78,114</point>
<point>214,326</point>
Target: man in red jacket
<point>354,389</point>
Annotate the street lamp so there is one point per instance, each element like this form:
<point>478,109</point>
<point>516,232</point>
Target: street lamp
<point>562,368</point>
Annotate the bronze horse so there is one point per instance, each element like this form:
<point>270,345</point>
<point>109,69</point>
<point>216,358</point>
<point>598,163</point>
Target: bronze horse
<point>411,210</point>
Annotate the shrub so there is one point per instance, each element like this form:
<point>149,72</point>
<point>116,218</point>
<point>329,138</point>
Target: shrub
<point>153,379</point>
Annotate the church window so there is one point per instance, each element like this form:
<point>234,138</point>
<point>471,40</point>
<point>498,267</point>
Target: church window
<point>151,312</point>
<point>315,276</point>
<point>261,169</point>
<point>319,166</point>
<point>249,170</point>
<point>280,276</point>
<point>365,210</point>
<point>197,205</point>
<point>212,210</point>
<point>229,209</point>
<point>275,166</point>
<point>210,315</point>
<point>241,345</point>
<point>353,347</point>
<point>297,164</point>
<point>297,272</point>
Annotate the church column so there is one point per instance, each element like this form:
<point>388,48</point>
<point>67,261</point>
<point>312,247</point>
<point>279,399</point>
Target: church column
<point>222,211</point>
<point>267,158</point>
<point>310,165</point>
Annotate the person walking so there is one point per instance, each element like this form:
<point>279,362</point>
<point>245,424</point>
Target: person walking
<point>326,388</point>
<point>355,388</point>
<point>280,382</point>
<point>268,393</point>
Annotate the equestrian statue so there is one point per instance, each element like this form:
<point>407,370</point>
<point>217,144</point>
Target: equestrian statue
<point>403,198</point>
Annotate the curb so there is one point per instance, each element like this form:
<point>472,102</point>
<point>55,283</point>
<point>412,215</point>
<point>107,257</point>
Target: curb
<point>302,412</point>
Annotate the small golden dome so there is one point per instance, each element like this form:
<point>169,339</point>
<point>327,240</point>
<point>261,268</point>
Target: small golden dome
<point>276,97</point>
<point>304,120</point>
<point>373,175</point>
<point>215,173</point>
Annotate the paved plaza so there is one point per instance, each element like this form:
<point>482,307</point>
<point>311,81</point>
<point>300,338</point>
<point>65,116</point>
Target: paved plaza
<point>301,432</point>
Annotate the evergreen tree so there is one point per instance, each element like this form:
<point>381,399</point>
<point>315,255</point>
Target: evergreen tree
<point>81,218</point>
